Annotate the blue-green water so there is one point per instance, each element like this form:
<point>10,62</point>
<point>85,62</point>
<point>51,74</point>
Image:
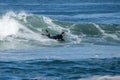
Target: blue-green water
<point>91,50</point>
<point>61,63</point>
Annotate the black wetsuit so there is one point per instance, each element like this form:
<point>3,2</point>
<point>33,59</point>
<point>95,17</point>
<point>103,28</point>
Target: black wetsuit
<point>58,37</point>
<point>48,35</point>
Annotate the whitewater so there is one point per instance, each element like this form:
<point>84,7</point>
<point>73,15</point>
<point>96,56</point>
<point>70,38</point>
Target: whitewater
<point>91,50</point>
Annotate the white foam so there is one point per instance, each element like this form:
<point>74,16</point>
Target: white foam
<point>102,78</point>
<point>52,25</point>
<point>106,35</point>
<point>8,26</point>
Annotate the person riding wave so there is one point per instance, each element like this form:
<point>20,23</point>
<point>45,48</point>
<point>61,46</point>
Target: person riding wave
<point>58,37</point>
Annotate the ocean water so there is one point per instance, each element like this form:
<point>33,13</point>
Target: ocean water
<point>91,50</point>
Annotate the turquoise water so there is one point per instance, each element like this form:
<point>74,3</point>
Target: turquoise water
<point>91,50</point>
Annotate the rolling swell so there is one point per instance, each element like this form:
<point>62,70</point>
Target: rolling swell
<point>25,30</point>
<point>62,69</point>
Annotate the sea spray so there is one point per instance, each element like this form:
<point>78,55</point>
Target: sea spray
<point>8,26</point>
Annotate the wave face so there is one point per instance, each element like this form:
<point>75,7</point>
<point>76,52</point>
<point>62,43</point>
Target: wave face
<point>26,30</point>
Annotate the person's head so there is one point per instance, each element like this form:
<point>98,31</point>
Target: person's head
<point>63,33</point>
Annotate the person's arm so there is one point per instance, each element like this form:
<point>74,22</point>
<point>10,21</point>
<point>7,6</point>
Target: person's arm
<point>60,38</point>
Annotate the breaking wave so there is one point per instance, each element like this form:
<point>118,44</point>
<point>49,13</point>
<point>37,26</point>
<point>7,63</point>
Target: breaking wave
<point>21,30</point>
